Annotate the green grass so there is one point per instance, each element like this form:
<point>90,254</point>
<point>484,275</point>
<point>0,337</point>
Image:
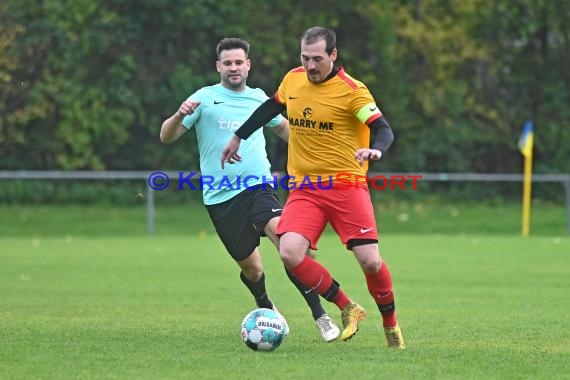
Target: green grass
<point>426,217</point>
<point>169,307</point>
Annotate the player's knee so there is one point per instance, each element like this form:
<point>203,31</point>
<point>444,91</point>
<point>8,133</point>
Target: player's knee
<point>371,267</point>
<point>366,252</point>
<point>370,263</point>
<point>292,249</point>
<point>287,257</point>
<point>252,268</point>
<point>291,256</point>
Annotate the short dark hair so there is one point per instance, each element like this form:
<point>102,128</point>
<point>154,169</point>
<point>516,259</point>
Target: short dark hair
<point>317,33</point>
<point>232,43</point>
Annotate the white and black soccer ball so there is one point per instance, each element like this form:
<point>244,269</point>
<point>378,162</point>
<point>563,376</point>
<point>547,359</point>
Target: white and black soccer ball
<point>263,329</point>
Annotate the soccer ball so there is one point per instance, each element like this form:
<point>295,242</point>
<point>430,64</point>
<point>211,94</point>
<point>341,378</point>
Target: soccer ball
<point>263,329</point>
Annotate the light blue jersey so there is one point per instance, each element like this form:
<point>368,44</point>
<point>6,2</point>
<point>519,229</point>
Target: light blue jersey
<point>219,115</point>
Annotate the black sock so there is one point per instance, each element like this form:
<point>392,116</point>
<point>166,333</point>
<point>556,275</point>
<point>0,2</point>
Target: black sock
<point>332,292</point>
<point>257,289</point>
<point>309,295</point>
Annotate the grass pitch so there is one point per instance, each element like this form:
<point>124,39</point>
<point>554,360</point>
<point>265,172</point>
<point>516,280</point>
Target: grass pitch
<point>170,307</point>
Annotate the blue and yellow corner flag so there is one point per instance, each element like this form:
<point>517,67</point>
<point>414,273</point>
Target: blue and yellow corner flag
<point>526,140</point>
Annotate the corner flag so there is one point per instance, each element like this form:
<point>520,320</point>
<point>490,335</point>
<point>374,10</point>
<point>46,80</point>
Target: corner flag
<point>525,144</point>
<point>526,140</point>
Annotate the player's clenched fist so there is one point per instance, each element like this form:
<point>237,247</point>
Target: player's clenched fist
<point>364,154</point>
<point>188,107</point>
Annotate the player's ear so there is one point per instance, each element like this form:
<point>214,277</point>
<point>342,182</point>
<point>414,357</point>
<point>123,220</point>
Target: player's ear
<point>218,65</point>
<point>334,54</point>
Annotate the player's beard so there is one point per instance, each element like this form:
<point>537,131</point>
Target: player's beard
<point>314,77</point>
<point>318,75</point>
<point>235,81</point>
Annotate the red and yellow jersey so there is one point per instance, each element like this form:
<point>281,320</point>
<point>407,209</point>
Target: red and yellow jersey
<point>328,124</point>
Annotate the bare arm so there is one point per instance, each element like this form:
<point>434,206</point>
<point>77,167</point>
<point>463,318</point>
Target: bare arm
<point>229,153</point>
<point>172,127</point>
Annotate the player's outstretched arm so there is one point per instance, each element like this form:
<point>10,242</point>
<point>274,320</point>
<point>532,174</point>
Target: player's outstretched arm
<point>261,116</point>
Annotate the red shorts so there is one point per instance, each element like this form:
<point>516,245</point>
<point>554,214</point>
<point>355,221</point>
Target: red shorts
<point>349,211</point>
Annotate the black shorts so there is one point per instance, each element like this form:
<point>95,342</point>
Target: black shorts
<point>240,221</point>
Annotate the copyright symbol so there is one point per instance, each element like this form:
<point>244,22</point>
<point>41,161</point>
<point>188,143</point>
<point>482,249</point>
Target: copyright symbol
<point>158,181</point>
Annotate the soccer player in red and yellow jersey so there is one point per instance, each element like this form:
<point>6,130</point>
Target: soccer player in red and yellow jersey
<point>331,116</point>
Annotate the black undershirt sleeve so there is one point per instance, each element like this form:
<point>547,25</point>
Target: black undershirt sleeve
<point>383,135</point>
<point>261,116</point>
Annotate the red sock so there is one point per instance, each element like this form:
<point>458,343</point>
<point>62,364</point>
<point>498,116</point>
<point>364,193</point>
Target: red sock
<point>380,288</point>
<point>341,299</point>
<point>314,276</point>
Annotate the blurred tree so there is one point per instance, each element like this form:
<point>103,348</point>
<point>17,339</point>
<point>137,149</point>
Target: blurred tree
<point>86,84</point>
<point>530,76</point>
<point>474,72</point>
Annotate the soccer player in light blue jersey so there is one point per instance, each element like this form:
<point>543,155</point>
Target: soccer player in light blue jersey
<point>240,204</point>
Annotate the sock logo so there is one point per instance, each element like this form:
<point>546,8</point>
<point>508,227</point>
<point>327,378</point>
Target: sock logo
<point>314,287</point>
